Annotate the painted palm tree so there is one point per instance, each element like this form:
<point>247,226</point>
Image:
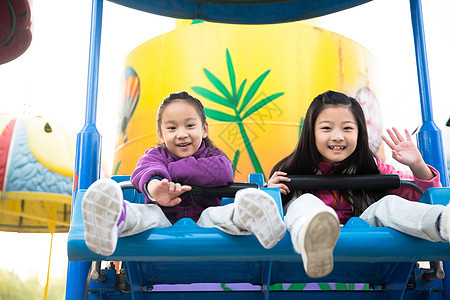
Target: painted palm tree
<point>237,101</point>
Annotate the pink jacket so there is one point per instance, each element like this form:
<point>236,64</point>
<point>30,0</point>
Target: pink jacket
<point>404,191</point>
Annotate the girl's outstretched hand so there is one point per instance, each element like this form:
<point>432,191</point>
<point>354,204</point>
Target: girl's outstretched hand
<point>277,181</point>
<point>166,193</point>
<point>405,151</point>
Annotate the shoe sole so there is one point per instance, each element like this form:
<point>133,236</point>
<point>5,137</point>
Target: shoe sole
<point>319,241</point>
<point>257,208</point>
<point>101,208</point>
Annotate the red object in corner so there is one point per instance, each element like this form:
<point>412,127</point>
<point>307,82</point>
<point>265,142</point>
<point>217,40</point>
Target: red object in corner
<point>15,33</point>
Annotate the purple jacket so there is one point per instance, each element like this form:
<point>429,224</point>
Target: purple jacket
<point>208,167</point>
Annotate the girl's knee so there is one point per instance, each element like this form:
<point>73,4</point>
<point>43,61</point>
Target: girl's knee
<point>304,199</point>
<point>390,200</point>
<point>386,205</point>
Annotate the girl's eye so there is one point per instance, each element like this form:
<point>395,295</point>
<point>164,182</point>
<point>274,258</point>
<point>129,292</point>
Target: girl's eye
<point>171,128</point>
<point>326,128</point>
<point>348,128</point>
<point>190,125</point>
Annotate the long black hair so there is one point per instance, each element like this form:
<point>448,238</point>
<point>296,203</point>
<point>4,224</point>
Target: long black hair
<point>305,158</point>
<point>184,96</point>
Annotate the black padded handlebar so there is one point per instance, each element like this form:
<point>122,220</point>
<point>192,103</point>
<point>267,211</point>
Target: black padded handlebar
<point>220,191</point>
<point>308,182</point>
<point>126,185</point>
<point>344,182</point>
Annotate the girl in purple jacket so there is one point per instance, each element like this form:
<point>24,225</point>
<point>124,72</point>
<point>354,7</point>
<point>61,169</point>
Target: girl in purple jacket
<point>185,157</point>
<point>334,141</point>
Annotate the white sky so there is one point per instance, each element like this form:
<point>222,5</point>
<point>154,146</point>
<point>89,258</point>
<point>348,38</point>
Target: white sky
<point>50,80</point>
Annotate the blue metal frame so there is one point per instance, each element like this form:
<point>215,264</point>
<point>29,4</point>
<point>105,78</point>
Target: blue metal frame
<point>88,148</point>
<point>429,138</point>
<point>87,168</point>
<point>358,242</point>
<point>186,253</point>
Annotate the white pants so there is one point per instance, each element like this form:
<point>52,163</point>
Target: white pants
<point>409,217</point>
<point>141,217</point>
<point>298,211</point>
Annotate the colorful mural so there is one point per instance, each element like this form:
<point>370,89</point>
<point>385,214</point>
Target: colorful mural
<point>254,91</point>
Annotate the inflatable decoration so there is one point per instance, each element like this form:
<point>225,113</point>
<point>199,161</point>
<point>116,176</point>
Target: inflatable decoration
<point>36,166</point>
<point>255,93</point>
<point>15,29</point>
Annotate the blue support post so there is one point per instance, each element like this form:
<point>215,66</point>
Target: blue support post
<point>134,279</point>
<point>267,277</point>
<point>88,148</point>
<point>429,137</point>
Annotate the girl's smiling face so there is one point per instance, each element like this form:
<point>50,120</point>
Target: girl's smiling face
<point>336,133</point>
<point>182,130</point>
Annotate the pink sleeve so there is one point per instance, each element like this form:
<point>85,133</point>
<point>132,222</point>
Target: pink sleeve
<point>408,192</point>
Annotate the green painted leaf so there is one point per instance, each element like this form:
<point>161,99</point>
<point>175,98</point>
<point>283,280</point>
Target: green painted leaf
<point>212,96</point>
<point>235,161</point>
<point>253,89</point>
<point>218,84</point>
<point>232,75</point>
<point>251,152</point>
<point>219,116</point>
<point>239,94</point>
<point>261,104</point>
<point>116,169</point>
<point>300,127</point>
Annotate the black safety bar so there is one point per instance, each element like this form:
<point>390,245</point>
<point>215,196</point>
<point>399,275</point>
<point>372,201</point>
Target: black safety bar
<point>309,182</point>
<point>349,182</point>
<point>220,191</point>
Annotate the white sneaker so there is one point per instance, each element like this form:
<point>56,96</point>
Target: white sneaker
<point>444,223</point>
<point>316,241</point>
<point>103,211</point>
<point>257,212</point>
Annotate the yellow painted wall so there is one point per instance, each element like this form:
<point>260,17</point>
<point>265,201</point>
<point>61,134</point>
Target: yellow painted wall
<point>303,60</point>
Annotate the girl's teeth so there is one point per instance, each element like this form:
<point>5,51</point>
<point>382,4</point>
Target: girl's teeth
<point>337,148</point>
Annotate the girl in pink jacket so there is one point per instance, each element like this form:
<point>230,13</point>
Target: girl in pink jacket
<point>334,140</point>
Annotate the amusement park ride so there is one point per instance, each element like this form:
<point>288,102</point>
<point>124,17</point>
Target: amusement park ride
<point>384,259</point>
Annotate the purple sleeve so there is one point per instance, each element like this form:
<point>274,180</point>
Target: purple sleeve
<point>212,170</point>
<point>153,163</point>
<point>407,192</point>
